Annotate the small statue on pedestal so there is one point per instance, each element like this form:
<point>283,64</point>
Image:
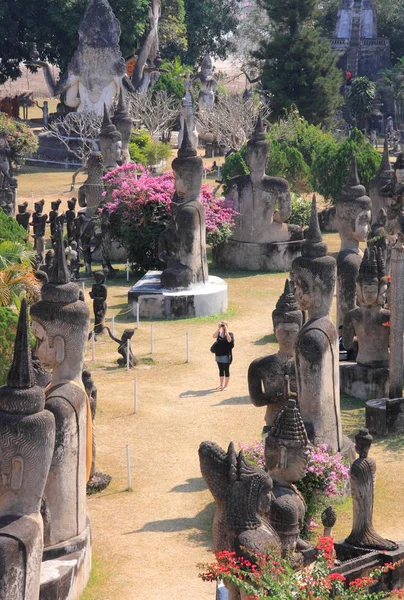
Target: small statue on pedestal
<point>266,376</point>
<point>110,141</point>
<point>123,124</point>
<point>23,216</point>
<point>54,217</point>
<point>70,215</point>
<point>38,223</point>
<point>123,347</point>
<point>99,293</point>
<point>363,472</point>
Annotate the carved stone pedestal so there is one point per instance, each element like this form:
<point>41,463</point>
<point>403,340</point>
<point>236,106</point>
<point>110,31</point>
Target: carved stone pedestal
<point>66,568</point>
<point>199,300</point>
<point>357,562</point>
<point>363,382</point>
<point>385,416</point>
<point>274,256</point>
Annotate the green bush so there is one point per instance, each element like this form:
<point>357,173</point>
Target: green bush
<point>8,328</point>
<point>170,84</point>
<point>144,150</point>
<point>301,210</point>
<point>19,136</point>
<point>10,230</point>
<point>234,165</point>
<point>287,161</point>
<point>331,166</point>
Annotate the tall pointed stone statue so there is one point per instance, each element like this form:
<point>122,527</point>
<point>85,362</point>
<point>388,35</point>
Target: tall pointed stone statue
<point>353,216</point>
<point>123,124</point>
<point>363,472</point>
<point>27,437</point>
<point>316,351</point>
<point>266,375</point>
<point>187,116</point>
<point>60,324</point>
<point>185,242</point>
<point>110,141</point>
<point>383,176</point>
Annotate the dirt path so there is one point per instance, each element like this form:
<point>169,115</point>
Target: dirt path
<point>147,543</point>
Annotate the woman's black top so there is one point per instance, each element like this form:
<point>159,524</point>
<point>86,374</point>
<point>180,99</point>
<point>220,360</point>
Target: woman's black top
<point>223,347</point>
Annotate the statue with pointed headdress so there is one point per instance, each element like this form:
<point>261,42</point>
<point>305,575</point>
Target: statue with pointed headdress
<point>110,141</point>
<point>369,322</point>
<point>266,375</point>
<point>353,216</point>
<point>183,243</point>
<point>243,495</point>
<point>27,437</point>
<point>316,350</point>
<point>187,116</point>
<point>286,458</point>
<point>123,124</point>
<point>60,322</point>
<point>382,177</point>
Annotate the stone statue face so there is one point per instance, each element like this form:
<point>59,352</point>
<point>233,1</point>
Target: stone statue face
<point>187,183</point>
<point>264,499</point>
<point>370,293</point>
<point>285,463</point>
<point>50,355</point>
<point>362,225</point>
<point>303,292</point>
<point>257,156</point>
<point>286,334</point>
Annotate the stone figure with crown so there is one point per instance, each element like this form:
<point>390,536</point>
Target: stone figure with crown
<point>369,324</point>
<point>316,350</point>
<point>353,217</point>
<point>27,437</point>
<point>60,322</point>
<point>187,116</point>
<point>266,375</point>
<point>243,496</point>
<point>263,204</point>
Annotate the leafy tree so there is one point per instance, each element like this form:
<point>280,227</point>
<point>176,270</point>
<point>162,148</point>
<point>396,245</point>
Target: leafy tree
<point>393,80</point>
<point>53,25</point>
<point>8,329</point>
<point>209,24</point>
<point>362,93</point>
<point>10,230</point>
<point>172,29</point>
<point>390,24</point>
<point>298,65</point>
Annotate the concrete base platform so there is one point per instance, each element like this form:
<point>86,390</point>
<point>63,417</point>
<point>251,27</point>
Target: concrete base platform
<point>66,568</point>
<point>275,256</point>
<point>385,416</point>
<point>156,302</point>
<point>363,382</point>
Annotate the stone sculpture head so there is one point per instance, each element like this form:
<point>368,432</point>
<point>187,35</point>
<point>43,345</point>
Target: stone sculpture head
<point>353,208</point>
<point>287,319</point>
<point>371,281</point>
<point>39,206</point>
<point>286,447</point>
<point>27,432</point>
<point>55,204</point>
<point>71,204</point>
<point>257,150</point>
<point>363,441</point>
<point>22,208</point>
<point>60,321</point>
<point>99,277</point>
<point>110,141</point>
<point>99,27</point>
<point>206,68</point>
<point>314,273</point>
<point>49,257</point>
<point>188,171</point>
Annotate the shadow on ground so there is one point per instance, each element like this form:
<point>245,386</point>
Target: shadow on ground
<point>234,400</point>
<point>195,393</point>
<point>352,414</point>
<point>199,527</point>
<point>194,484</point>
<point>267,339</point>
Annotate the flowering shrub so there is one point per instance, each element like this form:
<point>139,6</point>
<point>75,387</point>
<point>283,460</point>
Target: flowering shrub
<point>271,576</point>
<point>19,136</point>
<point>141,208</point>
<point>325,477</point>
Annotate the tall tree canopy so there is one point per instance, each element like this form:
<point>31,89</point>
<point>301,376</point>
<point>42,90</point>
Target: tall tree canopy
<point>298,65</point>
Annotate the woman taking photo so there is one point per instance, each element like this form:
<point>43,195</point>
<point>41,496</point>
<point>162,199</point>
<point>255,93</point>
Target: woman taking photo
<point>222,349</point>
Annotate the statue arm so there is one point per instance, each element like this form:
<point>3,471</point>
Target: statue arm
<point>255,386</point>
<point>150,44</point>
<point>348,332</point>
<point>285,207</point>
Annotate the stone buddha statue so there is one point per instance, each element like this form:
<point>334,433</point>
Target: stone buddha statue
<point>98,294</point>
<point>60,325</point>
<point>208,90</point>
<point>286,458</point>
<point>256,195</point>
<point>266,375</point>
<point>353,217</point>
<point>70,215</point>
<point>187,230</point>
<point>316,350</point>
<point>123,124</point>
<point>91,192</point>
<point>369,321</point>
<point>187,116</point>
<point>110,141</point>
<point>27,437</point>
<point>38,223</point>
<point>362,477</point>
<point>23,217</point>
